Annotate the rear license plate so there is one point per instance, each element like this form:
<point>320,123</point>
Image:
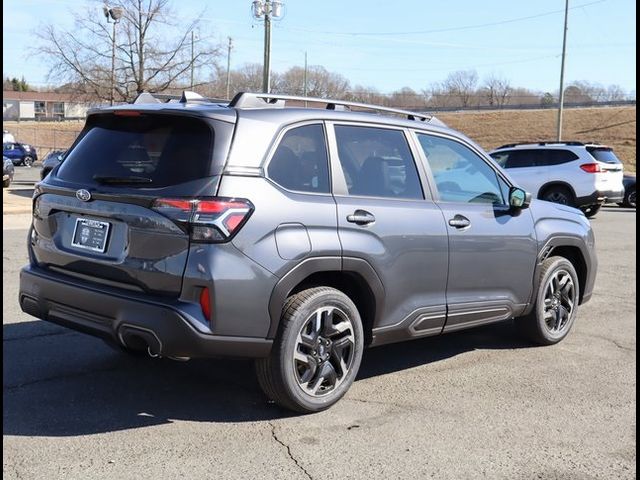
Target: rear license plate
<point>90,235</point>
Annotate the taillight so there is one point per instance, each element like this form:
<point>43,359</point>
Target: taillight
<point>591,167</point>
<point>208,220</point>
<point>205,303</point>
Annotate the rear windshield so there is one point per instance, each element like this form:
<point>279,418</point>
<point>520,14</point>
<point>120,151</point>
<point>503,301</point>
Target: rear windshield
<point>605,155</point>
<point>149,150</point>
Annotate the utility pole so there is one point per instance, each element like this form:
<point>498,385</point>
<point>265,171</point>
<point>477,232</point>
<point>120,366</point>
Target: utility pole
<point>192,57</point>
<point>305,78</point>
<point>564,52</point>
<point>266,69</point>
<point>269,9</point>
<point>230,46</point>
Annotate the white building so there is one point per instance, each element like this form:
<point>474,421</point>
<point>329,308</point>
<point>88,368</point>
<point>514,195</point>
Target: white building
<point>44,105</point>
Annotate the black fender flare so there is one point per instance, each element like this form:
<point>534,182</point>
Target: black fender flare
<point>313,265</point>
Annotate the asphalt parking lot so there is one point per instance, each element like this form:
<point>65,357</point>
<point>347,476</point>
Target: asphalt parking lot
<point>474,404</point>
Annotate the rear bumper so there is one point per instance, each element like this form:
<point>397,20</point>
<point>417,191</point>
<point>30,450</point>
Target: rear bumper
<point>600,197</point>
<point>126,319</point>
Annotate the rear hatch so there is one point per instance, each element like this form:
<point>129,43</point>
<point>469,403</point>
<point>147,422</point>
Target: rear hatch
<point>610,178</point>
<point>96,216</point>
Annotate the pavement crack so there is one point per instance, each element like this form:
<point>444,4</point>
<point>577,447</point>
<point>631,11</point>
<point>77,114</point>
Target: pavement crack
<point>274,435</point>
<point>623,347</point>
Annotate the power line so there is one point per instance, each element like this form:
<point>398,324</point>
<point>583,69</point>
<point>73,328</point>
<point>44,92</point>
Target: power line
<point>452,29</point>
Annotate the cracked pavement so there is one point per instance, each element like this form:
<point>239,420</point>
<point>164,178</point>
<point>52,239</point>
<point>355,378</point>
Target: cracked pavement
<point>474,404</point>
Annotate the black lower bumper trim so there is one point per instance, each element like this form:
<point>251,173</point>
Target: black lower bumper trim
<point>115,318</point>
<point>600,197</point>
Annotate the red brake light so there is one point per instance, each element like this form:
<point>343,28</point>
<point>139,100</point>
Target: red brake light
<point>208,220</point>
<point>591,167</point>
<point>127,113</point>
<point>205,303</point>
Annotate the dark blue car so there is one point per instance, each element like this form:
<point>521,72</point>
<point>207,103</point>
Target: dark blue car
<point>19,153</point>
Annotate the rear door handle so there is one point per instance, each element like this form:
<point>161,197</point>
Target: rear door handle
<point>361,217</point>
<point>459,221</point>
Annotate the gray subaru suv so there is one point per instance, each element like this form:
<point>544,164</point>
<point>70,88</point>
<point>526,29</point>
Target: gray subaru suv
<point>295,236</point>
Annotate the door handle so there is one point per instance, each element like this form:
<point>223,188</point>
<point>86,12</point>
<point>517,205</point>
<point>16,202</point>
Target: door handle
<point>459,221</point>
<point>361,217</point>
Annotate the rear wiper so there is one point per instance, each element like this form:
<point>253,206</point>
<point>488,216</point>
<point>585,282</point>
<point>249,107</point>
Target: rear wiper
<point>120,180</point>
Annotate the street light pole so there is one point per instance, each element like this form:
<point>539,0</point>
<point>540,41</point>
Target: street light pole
<point>266,69</point>
<point>113,64</point>
<point>115,14</point>
<point>564,52</point>
<point>229,67</point>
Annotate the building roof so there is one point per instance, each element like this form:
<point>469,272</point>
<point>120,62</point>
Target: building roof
<point>46,97</point>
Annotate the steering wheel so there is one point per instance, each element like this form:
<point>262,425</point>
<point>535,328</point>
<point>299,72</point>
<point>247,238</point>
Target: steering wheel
<point>486,197</point>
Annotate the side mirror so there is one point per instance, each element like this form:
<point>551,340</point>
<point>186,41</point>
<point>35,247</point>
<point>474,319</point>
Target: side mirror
<point>518,198</point>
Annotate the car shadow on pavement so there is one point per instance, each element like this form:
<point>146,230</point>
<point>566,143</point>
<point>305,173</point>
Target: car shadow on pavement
<point>57,382</point>
<point>22,192</point>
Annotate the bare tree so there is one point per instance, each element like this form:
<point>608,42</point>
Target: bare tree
<point>407,98</point>
<point>153,53</point>
<point>461,85</point>
<point>320,82</point>
<point>615,93</point>
<point>496,89</point>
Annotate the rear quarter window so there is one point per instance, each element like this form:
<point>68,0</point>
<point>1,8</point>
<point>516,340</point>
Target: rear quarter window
<point>162,150</point>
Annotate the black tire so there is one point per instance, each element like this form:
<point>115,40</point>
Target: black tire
<point>591,211</point>
<point>630,198</point>
<point>536,325</point>
<point>280,376</point>
<point>27,161</point>
<point>559,194</point>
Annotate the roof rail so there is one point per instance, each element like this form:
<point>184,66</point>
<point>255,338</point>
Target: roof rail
<point>569,143</point>
<point>266,100</point>
<point>186,97</point>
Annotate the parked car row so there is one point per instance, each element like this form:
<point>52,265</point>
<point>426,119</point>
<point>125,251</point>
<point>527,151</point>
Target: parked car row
<point>20,153</point>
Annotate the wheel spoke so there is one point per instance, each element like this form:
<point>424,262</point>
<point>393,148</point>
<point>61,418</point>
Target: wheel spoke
<point>564,316</point>
<point>307,340</point>
<point>309,373</point>
<point>327,322</point>
<point>302,357</point>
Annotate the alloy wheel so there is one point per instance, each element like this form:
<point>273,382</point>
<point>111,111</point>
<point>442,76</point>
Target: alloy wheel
<point>559,301</point>
<point>324,351</point>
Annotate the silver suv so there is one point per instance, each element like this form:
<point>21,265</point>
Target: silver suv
<point>296,236</point>
<point>582,175</point>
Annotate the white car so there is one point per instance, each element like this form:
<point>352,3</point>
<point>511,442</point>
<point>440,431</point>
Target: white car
<point>7,137</point>
<point>582,175</point>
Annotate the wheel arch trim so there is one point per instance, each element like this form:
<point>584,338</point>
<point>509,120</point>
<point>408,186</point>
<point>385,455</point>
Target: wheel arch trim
<point>313,265</point>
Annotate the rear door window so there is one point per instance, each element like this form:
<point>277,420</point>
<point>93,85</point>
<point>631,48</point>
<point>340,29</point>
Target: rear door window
<point>149,150</point>
<point>377,162</point>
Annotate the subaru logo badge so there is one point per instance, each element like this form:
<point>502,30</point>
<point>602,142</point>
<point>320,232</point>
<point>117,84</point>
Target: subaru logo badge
<point>83,195</point>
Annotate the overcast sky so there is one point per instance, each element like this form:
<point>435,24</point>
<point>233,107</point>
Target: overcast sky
<point>390,44</point>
